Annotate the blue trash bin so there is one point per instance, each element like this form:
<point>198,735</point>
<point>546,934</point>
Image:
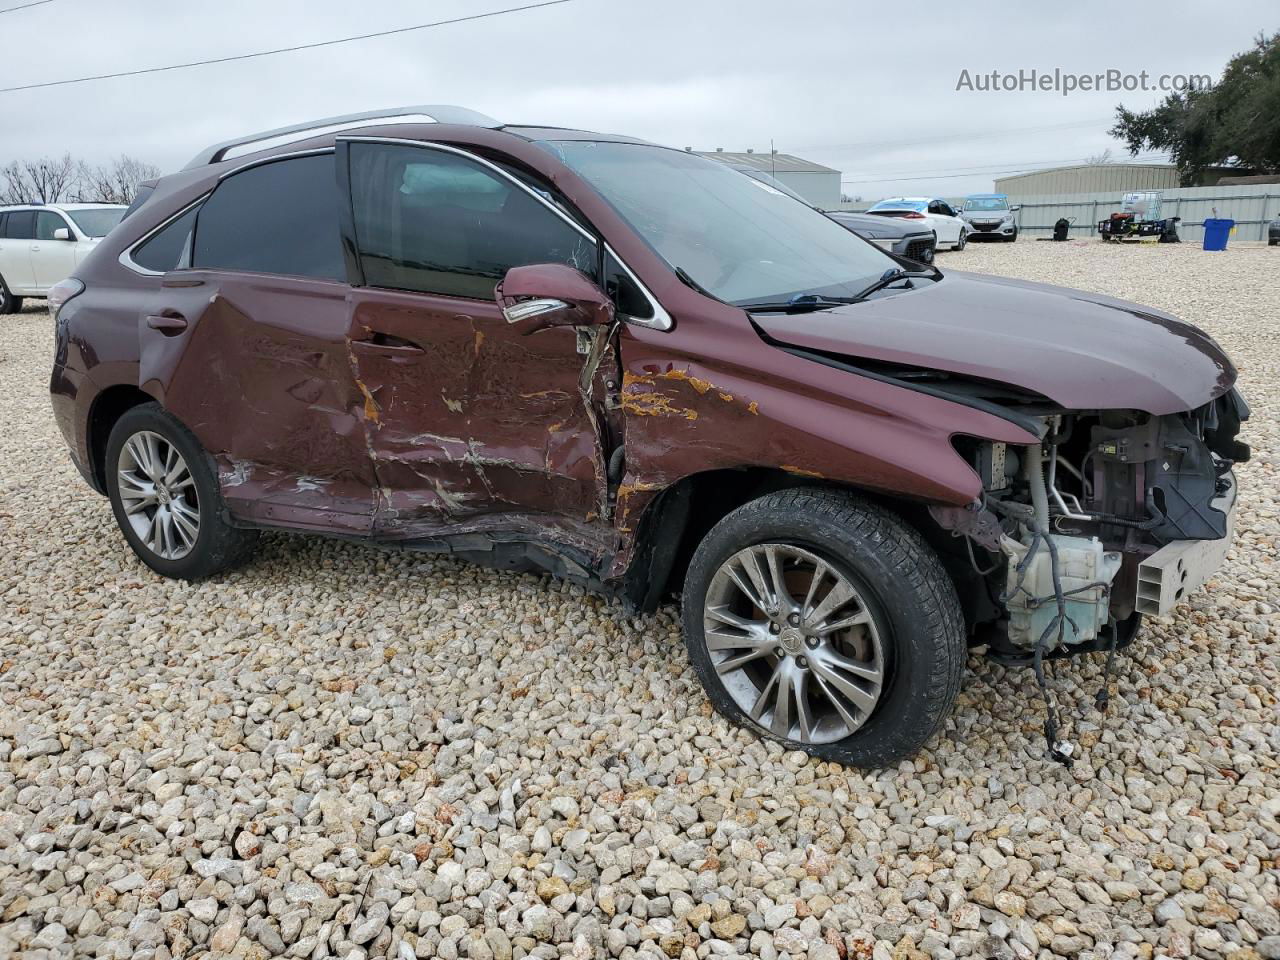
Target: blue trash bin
<point>1216,232</point>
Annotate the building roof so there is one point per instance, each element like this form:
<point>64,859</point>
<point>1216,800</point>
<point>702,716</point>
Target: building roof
<point>769,163</point>
<point>1094,166</point>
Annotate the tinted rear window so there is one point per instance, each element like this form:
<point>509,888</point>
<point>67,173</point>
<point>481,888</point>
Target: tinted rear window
<point>280,217</point>
<point>20,225</point>
<point>167,250</point>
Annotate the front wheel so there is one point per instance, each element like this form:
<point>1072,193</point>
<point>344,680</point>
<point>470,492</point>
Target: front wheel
<point>820,620</point>
<point>1013,237</point>
<point>164,493</point>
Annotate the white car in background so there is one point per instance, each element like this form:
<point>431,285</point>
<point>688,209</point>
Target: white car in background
<point>41,244</point>
<point>937,214</point>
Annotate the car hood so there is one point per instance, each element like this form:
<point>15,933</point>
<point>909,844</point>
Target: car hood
<point>1083,351</point>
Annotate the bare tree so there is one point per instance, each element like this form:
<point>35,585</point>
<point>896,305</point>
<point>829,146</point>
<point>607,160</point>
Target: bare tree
<point>114,182</point>
<point>47,180</point>
<point>1098,159</point>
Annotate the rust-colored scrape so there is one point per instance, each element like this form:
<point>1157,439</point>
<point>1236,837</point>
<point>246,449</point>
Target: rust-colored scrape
<point>800,471</point>
<point>644,403</point>
<point>628,487</point>
<point>726,397</point>
<point>372,411</point>
<point>753,408</point>
<point>479,341</point>
<point>655,405</point>
<point>702,386</point>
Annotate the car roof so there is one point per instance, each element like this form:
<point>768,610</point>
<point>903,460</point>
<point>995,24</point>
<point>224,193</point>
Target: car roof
<point>986,196</point>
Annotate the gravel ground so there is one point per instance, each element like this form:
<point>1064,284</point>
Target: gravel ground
<point>344,752</point>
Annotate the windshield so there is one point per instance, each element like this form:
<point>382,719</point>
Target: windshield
<point>917,205</point>
<point>97,222</point>
<point>739,239</point>
<point>986,203</point>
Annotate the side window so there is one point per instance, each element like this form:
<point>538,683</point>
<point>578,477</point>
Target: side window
<point>280,217</point>
<point>170,248</point>
<point>4,219</point>
<point>21,225</point>
<point>47,222</point>
<point>434,222</point>
<point>935,207</point>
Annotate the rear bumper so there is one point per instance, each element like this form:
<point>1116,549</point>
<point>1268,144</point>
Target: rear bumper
<point>68,399</point>
<point>1178,569</point>
<point>914,246</point>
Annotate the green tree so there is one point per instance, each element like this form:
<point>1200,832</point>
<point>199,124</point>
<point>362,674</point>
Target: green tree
<point>1235,123</point>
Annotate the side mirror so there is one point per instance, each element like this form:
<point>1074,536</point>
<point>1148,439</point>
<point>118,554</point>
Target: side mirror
<point>1015,208</point>
<point>551,295</point>
<point>62,233</point>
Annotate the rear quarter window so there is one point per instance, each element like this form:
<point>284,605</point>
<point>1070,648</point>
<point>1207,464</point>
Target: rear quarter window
<point>167,249</point>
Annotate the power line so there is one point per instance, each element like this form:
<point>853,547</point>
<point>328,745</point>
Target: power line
<point>269,53</point>
<point>24,6</point>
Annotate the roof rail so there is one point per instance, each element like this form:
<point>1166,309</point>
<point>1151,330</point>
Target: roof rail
<point>435,113</point>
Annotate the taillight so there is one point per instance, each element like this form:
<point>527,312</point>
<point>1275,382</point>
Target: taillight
<point>913,216</point>
<point>62,291</point>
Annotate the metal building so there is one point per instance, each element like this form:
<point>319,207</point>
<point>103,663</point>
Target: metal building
<point>1091,178</point>
<point>818,184</point>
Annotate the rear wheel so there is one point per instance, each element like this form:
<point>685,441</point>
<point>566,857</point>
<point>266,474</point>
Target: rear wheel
<point>964,238</point>
<point>164,493</point>
<point>8,302</point>
<point>824,622</point>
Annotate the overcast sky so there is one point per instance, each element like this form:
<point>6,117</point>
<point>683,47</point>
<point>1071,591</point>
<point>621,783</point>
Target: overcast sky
<point>867,88</point>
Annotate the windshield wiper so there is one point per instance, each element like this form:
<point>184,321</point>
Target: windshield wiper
<point>800,303</point>
<point>893,275</point>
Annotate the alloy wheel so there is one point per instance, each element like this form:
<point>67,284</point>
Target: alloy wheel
<point>158,495</point>
<point>794,643</point>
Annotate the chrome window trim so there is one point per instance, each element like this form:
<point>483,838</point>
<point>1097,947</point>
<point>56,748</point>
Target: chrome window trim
<point>661,320</point>
<point>263,161</point>
<point>126,255</point>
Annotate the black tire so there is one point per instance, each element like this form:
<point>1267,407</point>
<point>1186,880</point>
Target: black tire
<point>905,587</point>
<point>8,302</point>
<point>964,238</point>
<point>1013,237</point>
<point>218,545</point>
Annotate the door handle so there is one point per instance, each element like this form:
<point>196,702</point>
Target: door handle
<point>167,323</point>
<point>391,344</point>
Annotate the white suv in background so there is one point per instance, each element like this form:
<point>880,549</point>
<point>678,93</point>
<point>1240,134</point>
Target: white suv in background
<point>41,244</point>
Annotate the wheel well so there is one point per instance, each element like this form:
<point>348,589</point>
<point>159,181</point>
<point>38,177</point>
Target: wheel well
<point>107,409</point>
<point>676,521</point>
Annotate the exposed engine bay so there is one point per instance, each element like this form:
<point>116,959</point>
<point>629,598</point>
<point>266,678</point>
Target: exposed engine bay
<point>1114,514</point>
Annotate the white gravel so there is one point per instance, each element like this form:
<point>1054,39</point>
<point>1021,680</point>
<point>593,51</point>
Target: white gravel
<point>345,752</point>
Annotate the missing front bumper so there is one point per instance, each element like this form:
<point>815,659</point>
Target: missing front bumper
<point>1178,569</point>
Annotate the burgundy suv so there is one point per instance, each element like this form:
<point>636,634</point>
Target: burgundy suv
<point>634,367</point>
